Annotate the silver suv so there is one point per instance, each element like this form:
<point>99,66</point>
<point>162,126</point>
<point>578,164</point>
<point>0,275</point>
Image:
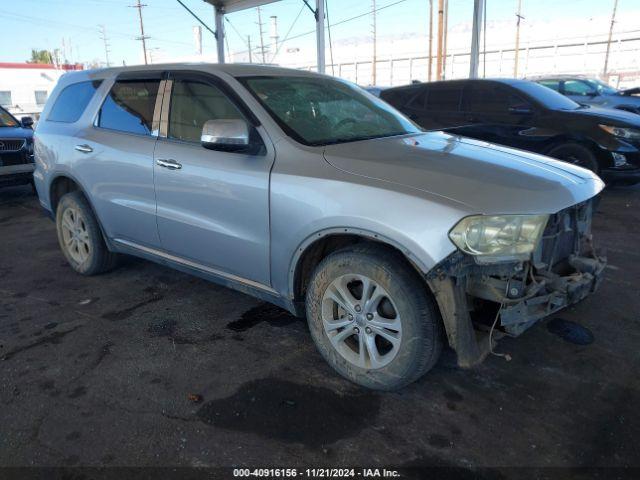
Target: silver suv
<point>308,192</point>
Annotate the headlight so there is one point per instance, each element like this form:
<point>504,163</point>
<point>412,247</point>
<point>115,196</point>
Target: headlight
<point>499,237</point>
<point>628,133</point>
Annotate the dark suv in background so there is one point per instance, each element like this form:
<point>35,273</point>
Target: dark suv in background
<point>526,115</point>
<point>16,150</point>
<point>591,91</point>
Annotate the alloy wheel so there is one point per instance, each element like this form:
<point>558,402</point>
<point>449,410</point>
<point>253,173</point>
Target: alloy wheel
<point>75,235</point>
<point>361,320</point>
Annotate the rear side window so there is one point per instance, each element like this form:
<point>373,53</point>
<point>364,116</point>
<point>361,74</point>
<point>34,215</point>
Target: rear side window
<point>444,98</point>
<point>554,84</point>
<point>129,106</point>
<point>72,101</point>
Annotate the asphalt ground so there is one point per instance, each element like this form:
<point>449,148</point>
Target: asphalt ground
<point>146,366</point>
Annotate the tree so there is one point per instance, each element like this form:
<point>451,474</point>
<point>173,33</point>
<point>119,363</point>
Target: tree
<point>41,56</point>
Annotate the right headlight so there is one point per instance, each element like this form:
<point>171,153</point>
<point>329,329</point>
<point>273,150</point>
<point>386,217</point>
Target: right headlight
<point>494,238</point>
<point>621,132</point>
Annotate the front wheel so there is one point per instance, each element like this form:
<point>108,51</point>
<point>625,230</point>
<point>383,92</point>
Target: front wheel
<point>372,319</point>
<point>576,154</point>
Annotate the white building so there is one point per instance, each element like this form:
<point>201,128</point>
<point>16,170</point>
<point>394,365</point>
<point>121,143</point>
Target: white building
<point>25,87</point>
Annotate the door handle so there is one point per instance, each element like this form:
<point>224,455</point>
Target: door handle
<point>169,163</point>
<point>84,148</point>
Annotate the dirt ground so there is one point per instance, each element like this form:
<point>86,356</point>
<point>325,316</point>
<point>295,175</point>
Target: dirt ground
<point>145,366</point>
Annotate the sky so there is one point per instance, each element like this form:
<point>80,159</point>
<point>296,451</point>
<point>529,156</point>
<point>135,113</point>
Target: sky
<point>48,24</point>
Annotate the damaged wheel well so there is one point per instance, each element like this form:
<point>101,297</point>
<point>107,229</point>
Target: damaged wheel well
<point>328,244</point>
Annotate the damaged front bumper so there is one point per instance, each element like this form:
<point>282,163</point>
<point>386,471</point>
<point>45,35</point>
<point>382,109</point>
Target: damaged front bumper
<point>512,296</point>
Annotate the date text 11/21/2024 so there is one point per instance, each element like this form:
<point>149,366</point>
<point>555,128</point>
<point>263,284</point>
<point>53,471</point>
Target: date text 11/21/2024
<point>316,473</point>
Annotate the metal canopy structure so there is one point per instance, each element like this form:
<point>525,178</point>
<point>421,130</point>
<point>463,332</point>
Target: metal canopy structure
<point>223,7</point>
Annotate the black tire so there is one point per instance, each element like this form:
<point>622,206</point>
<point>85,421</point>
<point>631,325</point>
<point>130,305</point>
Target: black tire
<point>422,332</point>
<point>98,257</point>
<point>576,154</point>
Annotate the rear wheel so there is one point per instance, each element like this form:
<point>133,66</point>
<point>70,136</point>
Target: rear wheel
<point>372,318</point>
<point>80,237</point>
<point>576,154</point>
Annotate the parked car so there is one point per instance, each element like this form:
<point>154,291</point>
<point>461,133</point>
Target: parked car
<point>308,192</point>
<point>16,150</point>
<point>526,115</point>
<point>591,91</point>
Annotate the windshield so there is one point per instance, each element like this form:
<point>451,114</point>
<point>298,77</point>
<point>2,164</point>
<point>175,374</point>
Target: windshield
<point>602,87</point>
<point>6,119</point>
<point>321,111</point>
<point>546,97</point>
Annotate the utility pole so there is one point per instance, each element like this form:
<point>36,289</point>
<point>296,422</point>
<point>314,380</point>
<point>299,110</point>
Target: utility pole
<point>478,8</point>
<point>430,36</point>
<point>274,32</point>
<point>444,38</point>
<point>439,51</point>
<point>105,40</point>
<point>249,47</point>
<point>262,52</point>
<point>606,56</point>
<point>142,36</point>
<point>519,17</point>
<point>375,46</point>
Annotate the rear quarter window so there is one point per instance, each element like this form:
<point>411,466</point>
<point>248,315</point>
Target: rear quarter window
<point>72,101</point>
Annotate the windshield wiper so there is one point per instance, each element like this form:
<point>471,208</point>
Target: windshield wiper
<point>359,139</point>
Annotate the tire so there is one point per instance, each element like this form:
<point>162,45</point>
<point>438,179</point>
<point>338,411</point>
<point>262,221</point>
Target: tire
<point>80,237</point>
<point>577,155</point>
<point>413,320</point>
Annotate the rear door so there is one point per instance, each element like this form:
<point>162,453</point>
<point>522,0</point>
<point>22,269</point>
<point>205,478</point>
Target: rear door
<point>213,206</point>
<point>442,106</point>
<point>114,158</point>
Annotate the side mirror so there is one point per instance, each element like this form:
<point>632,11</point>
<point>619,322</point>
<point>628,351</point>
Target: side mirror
<point>520,110</point>
<point>229,135</point>
<point>26,122</point>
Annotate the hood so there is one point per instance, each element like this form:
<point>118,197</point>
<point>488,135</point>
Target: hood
<point>476,176</point>
<point>15,132</point>
<point>630,91</point>
<point>620,117</point>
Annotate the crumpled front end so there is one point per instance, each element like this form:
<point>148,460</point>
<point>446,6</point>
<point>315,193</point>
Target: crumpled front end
<point>510,297</point>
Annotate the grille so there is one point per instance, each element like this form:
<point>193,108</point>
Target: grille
<point>11,144</point>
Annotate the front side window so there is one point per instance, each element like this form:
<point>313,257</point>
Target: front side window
<point>578,87</point>
<point>192,104</point>
<point>41,97</point>
<point>490,98</point>
<point>5,98</point>
<point>6,119</point>
<point>72,101</point>
<point>129,106</point>
<point>321,111</point>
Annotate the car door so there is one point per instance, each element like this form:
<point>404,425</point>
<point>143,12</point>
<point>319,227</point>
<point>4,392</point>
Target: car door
<point>497,113</point>
<point>442,110</point>
<point>113,159</point>
<point>212,205</point>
